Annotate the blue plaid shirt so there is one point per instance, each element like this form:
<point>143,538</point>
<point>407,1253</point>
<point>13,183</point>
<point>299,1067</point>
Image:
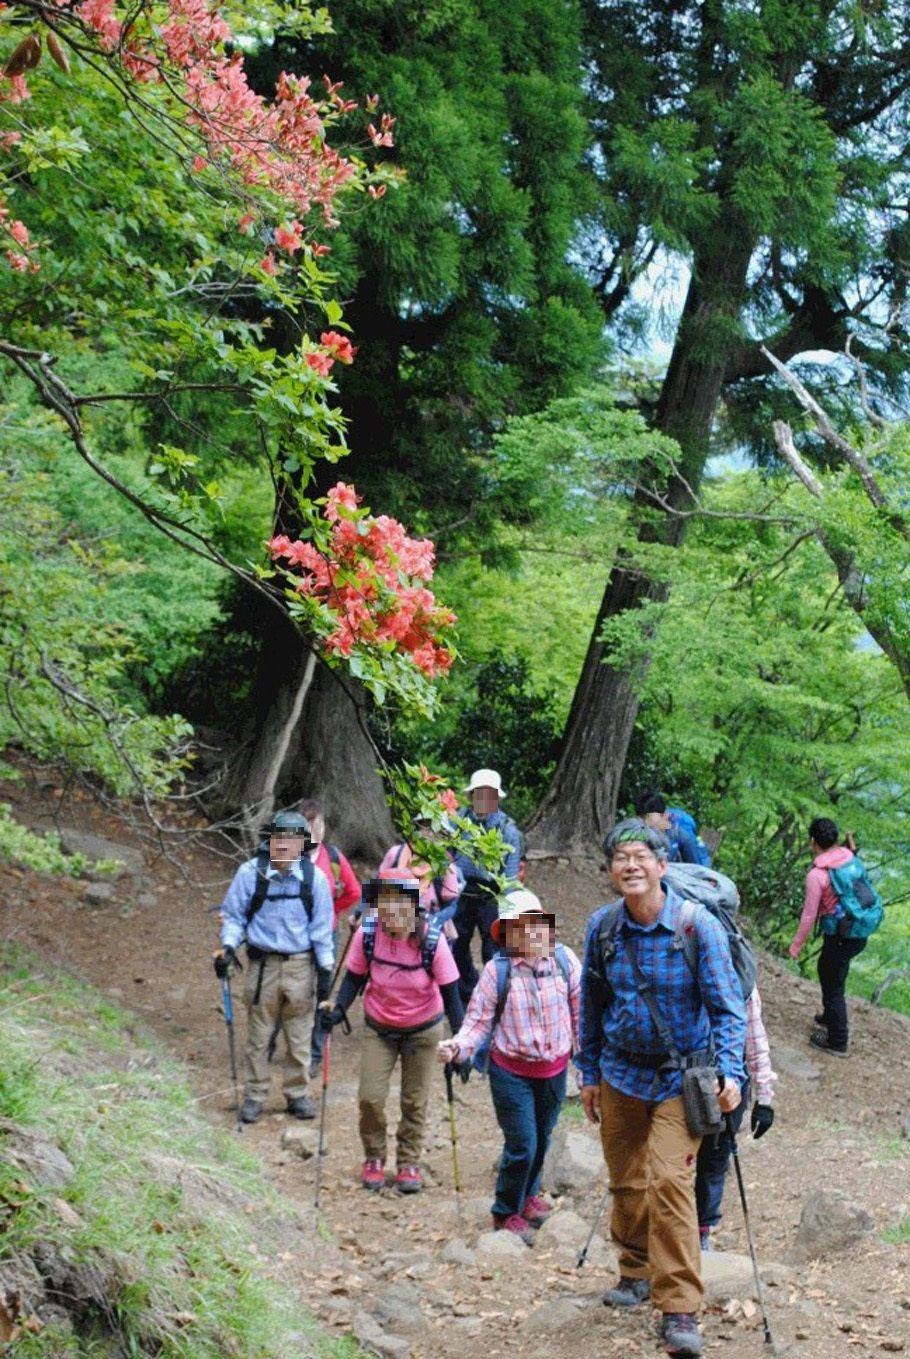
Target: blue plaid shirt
<point>699,1012</point>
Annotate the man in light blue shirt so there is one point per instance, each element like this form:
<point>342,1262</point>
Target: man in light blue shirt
<point>283,909</point>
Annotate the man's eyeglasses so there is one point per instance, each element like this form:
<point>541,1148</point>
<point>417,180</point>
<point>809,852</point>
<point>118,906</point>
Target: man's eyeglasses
<point>622,860</point>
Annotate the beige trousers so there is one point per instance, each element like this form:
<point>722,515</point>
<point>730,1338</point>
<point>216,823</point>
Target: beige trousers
<point>378,1055</point>
<point>285,991</point>
<point>650,1155</point>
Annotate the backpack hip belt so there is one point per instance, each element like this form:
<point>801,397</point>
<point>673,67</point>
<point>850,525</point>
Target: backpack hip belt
<point>256,954</point>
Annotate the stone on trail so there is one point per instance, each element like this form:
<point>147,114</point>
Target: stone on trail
<point>726,1274</point>
<point>303,1142</point>
<point>94,847</point>
<point>574,1164</point>
<point>500,1246</point>
<point>792,1061</point>
<point>566,1232</point>
<point>99,893</point>
<point>456,1253</point>
<point>553,1317</point>
<point>399,1308</point>
<point>371,1336</point>
<point>830,1222</point>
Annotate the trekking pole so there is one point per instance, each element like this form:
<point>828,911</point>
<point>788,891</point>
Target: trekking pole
<point>583,1253</point>
<point>450,1097</point>
<point>229,1020</point>
<point>769,1339</point>
<point>352,929</point>
<point>326,1050</point>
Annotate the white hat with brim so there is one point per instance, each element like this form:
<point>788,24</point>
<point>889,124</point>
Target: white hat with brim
<point>513,906</point>
<point>486,778</point>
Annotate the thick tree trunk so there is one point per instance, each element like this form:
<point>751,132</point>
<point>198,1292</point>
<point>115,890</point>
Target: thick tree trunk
<point>303,738</point>
<point>580,804</point>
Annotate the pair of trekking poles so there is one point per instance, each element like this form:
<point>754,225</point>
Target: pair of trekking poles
<point>759,1291</point>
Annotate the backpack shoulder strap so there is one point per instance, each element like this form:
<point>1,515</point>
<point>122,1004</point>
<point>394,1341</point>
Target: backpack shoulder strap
<point>608,932</point>
<point>430,942</point>
<point>686,936</point>
<point>306,885</point>
<point>368,931</point>
<point>261,888</point>
<point>401,849</point>
<point>503,986</point>
<point>562,962</point>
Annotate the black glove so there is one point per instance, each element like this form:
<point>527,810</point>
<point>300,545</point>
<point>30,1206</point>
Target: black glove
<point>225,959</point>
<point>460,1069</point>
<point>327,1019</point>
<point>762,1118</point>
<point>323,983</point>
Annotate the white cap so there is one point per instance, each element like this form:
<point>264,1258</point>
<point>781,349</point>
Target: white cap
<point>486,778</point>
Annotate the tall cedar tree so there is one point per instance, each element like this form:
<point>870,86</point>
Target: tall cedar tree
<point>764,145</point>
<point>462,305</point>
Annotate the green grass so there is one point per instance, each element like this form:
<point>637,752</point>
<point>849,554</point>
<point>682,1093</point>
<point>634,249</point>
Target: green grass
<point>176,1214</point>
<point>897,1235</point>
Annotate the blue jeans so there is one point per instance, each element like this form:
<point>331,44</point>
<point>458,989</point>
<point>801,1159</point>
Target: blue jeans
<point>527,1108</point>
<point>711,1168</point>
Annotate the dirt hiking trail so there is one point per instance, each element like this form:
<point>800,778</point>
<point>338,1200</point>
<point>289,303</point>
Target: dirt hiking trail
<point>419,1277</point>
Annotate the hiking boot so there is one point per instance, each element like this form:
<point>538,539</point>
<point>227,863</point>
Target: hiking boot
<point>315,1068</point>
<point>409,1180</point>
<point>823,1043</point>
<point>372,1175</point>
<point>627,1292</point>
<point>679,1332</point>
<point>301,1107</point>
<point>704,1238</point>
<point>536,1211</point>
<point>515,1224</point>
<point>250,1110</point>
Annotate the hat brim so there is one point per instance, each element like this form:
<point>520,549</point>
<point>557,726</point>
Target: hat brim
<point>497,925</point>
<point>472,788</point>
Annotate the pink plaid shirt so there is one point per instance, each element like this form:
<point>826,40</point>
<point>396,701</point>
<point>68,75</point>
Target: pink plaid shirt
<point>758,1053</point>
<point>540,1019</point>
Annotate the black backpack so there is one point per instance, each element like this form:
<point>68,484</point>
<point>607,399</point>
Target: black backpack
<point>303,888</point>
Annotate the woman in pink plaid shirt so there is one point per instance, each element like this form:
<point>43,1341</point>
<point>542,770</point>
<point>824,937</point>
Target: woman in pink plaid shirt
<point>525,1007</point>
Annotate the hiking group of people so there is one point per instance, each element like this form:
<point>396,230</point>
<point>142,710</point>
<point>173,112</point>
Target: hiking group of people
<point>661,1016</point>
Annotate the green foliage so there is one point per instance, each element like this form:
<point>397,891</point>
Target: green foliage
<point>765,706</point>
<point>64,666</point>
<point>510,724</point>
<point>41,852</point>
<point>462,298</point>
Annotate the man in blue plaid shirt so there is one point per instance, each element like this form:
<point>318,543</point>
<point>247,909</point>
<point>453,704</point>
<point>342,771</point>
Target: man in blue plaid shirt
<point>632,1087</point>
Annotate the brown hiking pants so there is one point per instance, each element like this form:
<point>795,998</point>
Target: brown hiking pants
<point>650,1155</point>
<point>275,987</point>
<point>378,1054</point>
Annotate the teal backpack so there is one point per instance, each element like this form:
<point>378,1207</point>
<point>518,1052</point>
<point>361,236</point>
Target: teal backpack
<point>859,909</point>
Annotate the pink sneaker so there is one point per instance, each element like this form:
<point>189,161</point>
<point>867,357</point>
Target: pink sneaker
<point>409,1180</point>
<point>518,1225</point>
<point>372,1176</point>
<point>536,1211</point>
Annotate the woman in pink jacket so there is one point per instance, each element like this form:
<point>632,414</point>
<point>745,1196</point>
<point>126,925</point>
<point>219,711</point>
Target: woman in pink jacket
<point>837,954</point>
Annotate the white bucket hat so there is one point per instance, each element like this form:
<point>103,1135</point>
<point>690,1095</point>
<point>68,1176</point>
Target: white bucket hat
<point>514,905</point>
<point>486,778</point>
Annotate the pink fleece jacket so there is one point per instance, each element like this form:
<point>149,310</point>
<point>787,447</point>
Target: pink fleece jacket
<point>820,898</point>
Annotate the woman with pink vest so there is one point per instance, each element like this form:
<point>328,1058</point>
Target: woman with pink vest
<point>837,953</point>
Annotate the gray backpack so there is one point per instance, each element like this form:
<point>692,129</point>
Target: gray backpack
<point>698,886</point>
